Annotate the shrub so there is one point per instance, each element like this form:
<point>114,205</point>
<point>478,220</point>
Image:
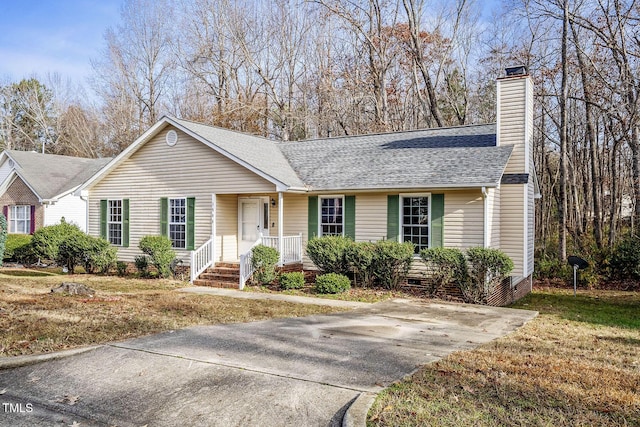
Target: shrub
<point>72,249</point>
<point>15,242</point>
<point>625,259</point>
<point>292,280</point>
<point>446,266</point>
<point>487,267</point>
<point>391,262</point>
<point>46,240</point>
<point>121,268</point>
<point>99,255</point>
<point>332,283</point>
<point>360,256</point>
<point>160,252</point>
<point>3,236</point>
<point>142,265</point>
<point>328,253</point>
<point>25,254</point>
<point>263,263</point>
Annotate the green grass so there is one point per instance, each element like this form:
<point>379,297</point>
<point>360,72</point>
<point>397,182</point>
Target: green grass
<point>576,364</point>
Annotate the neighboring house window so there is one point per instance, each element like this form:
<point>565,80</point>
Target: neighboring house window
<point>331,216</point>
<point>114,222</point>
<point>415,221</point>
<point>178,222</point>
<point>20,219</point>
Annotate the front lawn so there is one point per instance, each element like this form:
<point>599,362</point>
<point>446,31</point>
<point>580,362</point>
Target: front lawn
<point>33,320</point>
<point>576,364</point>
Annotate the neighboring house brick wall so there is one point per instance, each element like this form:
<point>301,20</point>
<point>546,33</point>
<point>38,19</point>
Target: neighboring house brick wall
<point>18,193</point>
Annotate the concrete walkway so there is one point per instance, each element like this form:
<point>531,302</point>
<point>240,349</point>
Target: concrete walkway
<point>283,372</point>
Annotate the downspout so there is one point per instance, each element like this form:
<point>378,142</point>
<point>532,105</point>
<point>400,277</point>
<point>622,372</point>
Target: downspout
<point>485,233</point>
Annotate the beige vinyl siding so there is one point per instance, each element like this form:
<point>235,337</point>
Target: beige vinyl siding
<point>463,219</point>
<point>493,218</point>
<point>371,217</point>
<point>296,207</point>
<point>512,230</point>
<point>530,226</point>
<point>226,227</point>
<point>512,123</point>
<point>188,169</point>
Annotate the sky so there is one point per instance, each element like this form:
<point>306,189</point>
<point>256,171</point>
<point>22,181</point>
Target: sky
<point>53,36</point>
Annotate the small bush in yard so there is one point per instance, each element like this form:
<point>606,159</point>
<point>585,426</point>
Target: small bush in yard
<point>292,280</point>
<point>99,255</point>
<point>142,265</point>
<point>15,242</point>
<point>446,266</point>
<point>625,259</point>
<point>121,268</point>
<point>328,253</point>
<point>160,251</point>
<point>263,262</point>
<point>332,283</point>
<point>487,267</point>
<point>360,257</point>
<point>391,262</point>
<point>47,240</point>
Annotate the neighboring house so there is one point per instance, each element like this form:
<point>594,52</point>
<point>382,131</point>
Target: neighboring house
<point>215,191</point>
<point>37,189</point>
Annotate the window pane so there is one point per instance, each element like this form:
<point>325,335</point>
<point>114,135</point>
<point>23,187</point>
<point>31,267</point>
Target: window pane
<point>331,219</point>
<point>177,223</point>
<point>415,221</point>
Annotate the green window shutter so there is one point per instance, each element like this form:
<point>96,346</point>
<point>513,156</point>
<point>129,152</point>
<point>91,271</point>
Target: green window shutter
<point>125,223</point>
<point>437,220</point>
<point>393,217</point>
<point>103,219</point>
<point>191,223</point>
<point>350,217</point>
<point>313,217</point>
<point>164,216</point>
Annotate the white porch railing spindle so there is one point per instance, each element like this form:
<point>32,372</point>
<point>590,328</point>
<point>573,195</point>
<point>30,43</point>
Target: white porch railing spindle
<point>201,259</point>
<point>291,253</point>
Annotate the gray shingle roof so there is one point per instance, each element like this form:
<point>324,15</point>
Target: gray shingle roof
<point>463,156</point>
<point>51,175</point>
<point>258,152</point>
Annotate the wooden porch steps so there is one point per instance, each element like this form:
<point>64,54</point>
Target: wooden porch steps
<point>223,275</point>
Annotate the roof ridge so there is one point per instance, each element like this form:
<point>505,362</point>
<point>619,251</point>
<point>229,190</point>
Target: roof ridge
<point>221,128</point>
<point>387,133</point>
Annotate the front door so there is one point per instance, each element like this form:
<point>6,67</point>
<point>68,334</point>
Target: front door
<point>249,224</point>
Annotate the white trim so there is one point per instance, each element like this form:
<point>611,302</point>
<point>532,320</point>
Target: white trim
<point>186,221</point>
<point>498,111</point>
<point>525,239</point>
<point>214,226</point>
<point>485,200</point>
<point>528,106</point>
<point>401,214</point>
<point>108,216</point>
<point>13,218</point>
<point>329,196</point>
<point>280,226</point>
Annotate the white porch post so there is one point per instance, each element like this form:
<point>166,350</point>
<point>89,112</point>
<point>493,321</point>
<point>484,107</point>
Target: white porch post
<point>280,226</point>
<point>214,208</point>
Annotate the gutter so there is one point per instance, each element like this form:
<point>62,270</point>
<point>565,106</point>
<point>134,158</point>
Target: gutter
<point>485,233</point>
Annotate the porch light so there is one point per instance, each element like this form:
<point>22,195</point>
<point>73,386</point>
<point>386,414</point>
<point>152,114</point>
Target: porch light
<point>273,202</point>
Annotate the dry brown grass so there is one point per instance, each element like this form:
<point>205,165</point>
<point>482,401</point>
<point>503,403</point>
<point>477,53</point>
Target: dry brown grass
<point>577,364</point>
<point>33,320</point>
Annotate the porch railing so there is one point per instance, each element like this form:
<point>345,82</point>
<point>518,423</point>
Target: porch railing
<point>291,253</point>
<point>291,247</point>
<point>201,259</point>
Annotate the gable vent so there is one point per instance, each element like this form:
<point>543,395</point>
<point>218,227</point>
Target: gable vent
<point>11,163</point>
<point>172,138</point>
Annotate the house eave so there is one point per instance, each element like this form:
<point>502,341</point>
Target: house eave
<point>429,187</point>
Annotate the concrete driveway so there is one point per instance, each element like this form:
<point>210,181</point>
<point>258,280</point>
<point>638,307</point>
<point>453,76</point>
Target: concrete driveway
<point>285,372</point>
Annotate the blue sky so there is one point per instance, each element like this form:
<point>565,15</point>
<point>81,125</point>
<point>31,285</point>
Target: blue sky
<point>42,36</point>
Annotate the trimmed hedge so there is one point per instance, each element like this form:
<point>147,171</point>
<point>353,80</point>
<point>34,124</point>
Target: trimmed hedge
<point>332,283</point>
<point>487,267</point>
<point>16,243</point>
<point>392,261</point>
<point>328,253</point>
<point>263,262</point>
<point>160,251</point>
<point>446,266</point>
<point>292,280</point>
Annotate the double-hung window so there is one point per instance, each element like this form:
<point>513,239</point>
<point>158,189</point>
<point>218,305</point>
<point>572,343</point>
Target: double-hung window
<point>114,222</point>
<point>20,219</point>
<point>415,221</point>
<point>331,216</point>
<point>178,222</point>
